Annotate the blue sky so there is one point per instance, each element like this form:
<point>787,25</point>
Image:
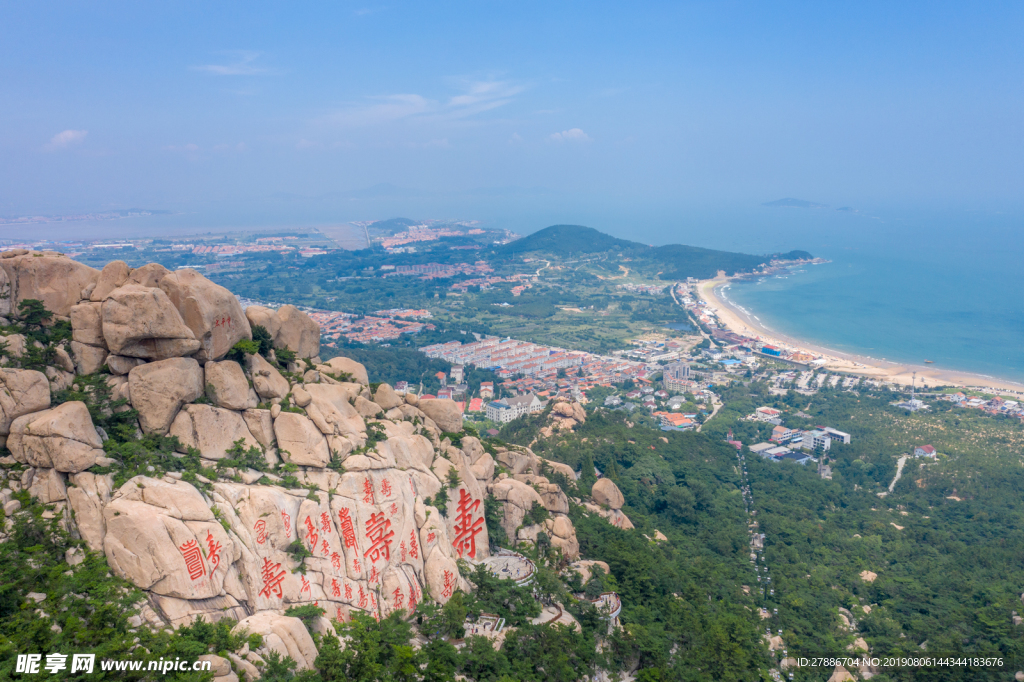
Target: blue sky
<point>520,114</point>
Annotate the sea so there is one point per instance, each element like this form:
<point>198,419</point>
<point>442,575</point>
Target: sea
<point>901,286</point>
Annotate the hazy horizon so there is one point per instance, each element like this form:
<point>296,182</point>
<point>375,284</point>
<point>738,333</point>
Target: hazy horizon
<point>629,119</point>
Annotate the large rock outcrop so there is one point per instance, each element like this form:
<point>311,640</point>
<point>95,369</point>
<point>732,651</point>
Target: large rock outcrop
<point>342,365</point>
<point>210,311</point>
<point>298,332</point>
<point>267,381</point>
<point>211,430</point>
<point>142,322</point>
<point>52,278</point>
<point>299,441</point>
<point>62,438</point>
<point>445,414</point>
<point>283,634</point>
<point>225,548</point>
<point>605,492</point>
<point>159,389</point>
<point>289,328</point>
<point>22,391</point>
<point>226,386</point>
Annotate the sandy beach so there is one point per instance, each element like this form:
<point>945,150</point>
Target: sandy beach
<point>740,321</point>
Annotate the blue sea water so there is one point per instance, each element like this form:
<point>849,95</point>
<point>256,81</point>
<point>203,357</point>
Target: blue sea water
<point>948,290</point>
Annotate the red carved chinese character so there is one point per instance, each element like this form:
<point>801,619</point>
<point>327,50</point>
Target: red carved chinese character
<point>335,587</point>
<point>380,538</point>
<point>449,585</point>
<point>385,488</point>
<point>193,559</point>
<point>213,552</point>
<point>261,531</point>
<point>305,585</point>
<point>412,486</point>
<point>348,591</point>
<point>355,565</point>
<point>287,522</point>
<point>272,579</point>
<point>311,534</point>
<point>393,508</point>
<point>367,491</point>
<point>325,549</point>
<point>466,529</point>
<point>373,575</point>
<point>414,548</point>
<point>412,601</point>
<point>402,549</point>
<point>362,598</point>
<point>399,598</point>
<point>373,602</point>
<point>341,618</point>
<point>336,561</point>
<point>348,531</point>
<point>431,536</point>
<point>325,522</point>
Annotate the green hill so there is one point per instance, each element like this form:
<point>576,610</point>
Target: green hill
<point>679,261</point>
<point>562,240</point>
<point>673,261</point>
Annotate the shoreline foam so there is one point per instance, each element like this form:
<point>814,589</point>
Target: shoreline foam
<point>738,319</point>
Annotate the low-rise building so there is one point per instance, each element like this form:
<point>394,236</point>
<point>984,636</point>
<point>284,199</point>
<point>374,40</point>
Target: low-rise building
<point>507,409</point>
<point>838,435</point>
<point>815,440</point>
<point>924,451</point>
<point>766,414</point>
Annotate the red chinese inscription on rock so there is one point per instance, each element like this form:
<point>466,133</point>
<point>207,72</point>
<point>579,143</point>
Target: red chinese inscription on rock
<point>414,548</point>
<point>449,584</point>
<point>212,552</point>
<point>273,575</point>
<point>379,535</point>
<point>466,527</point>
<point>261,531</point>
<point>193,560</point>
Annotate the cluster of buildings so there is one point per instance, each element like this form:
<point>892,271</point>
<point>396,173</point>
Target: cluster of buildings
<point>643,288</point>
<point>369,329</point>
<point>423,233</point>
<point>226,250</point>
<point>654,350</point>
<point>538,367</point>
<point>993,406</point>
<point>525,282</point>
<point>404,312</point>
<point>786,443</point>
<point>441,270</point>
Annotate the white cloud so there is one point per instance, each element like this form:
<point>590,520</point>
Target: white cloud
<point>483,96</point>
<point>242,65</point>
<point>571,135</point>
<point>65,139</point>
<point>477,97</point>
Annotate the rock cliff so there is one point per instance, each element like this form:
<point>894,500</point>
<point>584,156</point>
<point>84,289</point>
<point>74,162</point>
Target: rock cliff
<point>301,485</point>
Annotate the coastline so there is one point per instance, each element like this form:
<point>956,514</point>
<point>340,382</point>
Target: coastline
<point>736,319</point>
